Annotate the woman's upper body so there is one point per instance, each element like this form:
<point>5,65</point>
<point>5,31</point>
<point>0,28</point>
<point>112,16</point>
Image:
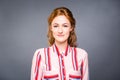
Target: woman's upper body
<point>49,63</point>
<point>62,60</point>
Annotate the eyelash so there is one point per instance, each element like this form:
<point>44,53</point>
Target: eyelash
<point>63,26</point>
<point>55,26</point>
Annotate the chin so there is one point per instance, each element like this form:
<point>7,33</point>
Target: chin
<point>61,41</point>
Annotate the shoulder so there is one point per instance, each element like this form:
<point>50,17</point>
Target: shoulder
<point>38,52</point>
<point>81,51</point>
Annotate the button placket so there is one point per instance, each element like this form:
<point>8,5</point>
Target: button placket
<point>62,66</point>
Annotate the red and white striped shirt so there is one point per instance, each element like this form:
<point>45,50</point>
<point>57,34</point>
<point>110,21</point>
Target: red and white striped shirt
<point>49,64</point>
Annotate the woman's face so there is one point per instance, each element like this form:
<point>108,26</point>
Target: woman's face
<point>61,28</point>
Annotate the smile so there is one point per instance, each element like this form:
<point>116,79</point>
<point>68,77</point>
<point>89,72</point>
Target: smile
<point>60,35</point>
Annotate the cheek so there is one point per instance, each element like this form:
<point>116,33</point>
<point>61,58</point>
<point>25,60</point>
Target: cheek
<point>67,33</point>
<point>54,33</point>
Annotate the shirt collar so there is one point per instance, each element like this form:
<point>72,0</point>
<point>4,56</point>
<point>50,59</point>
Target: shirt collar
<point>56,50</point>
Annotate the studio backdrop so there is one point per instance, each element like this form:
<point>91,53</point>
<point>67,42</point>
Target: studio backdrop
<point>23,29</point>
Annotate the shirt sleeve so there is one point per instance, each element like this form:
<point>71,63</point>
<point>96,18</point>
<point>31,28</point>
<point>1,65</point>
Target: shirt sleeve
<point>36,68</point>
<point>85,70</point>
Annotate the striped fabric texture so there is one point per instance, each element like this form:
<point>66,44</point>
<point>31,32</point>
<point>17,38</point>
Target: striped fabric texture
<point>50,64</point>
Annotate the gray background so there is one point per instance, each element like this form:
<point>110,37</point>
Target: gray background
<point>23,29</point>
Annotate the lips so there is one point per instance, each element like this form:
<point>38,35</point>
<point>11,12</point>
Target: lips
<point>60,35</point>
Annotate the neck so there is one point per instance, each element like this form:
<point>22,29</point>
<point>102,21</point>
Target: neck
<point>61,46</point>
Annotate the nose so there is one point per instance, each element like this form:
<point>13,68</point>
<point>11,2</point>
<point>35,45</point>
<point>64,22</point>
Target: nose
<point>60,30</point>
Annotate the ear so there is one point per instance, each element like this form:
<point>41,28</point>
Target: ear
<point>50,27</point>
<point>71,28</point>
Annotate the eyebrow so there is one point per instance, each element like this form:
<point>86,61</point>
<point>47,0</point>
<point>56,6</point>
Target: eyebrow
<point>57,23</point>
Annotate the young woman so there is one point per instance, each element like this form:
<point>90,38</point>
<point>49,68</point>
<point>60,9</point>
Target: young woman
<point>62,60</point>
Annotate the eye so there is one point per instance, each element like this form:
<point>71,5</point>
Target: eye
<point>55,26</point>
<point>65,25</point>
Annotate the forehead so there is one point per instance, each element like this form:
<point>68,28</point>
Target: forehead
<point>61,19</point>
